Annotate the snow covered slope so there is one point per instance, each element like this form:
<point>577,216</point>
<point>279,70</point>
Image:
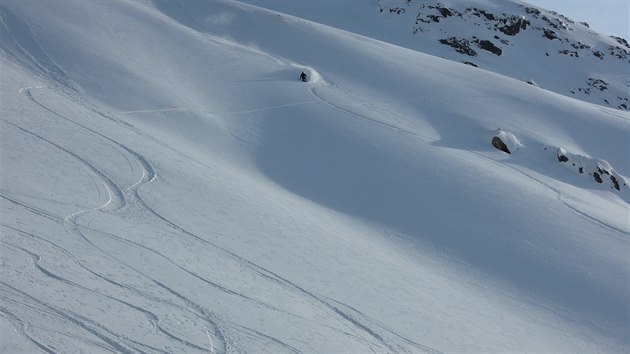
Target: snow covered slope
<point>512,38</point>
<point>168,185</point>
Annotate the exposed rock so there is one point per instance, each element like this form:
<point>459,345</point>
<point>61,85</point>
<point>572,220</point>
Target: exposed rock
<point>479,13</point>
<point>615,182</point>
<point>397,10</point>
<point>463,45</point>
<point>460,45</point>
<point>580,45</point>
<point>489,46</point>
<point>558,21</point>
<point>571,53</point>
<point>499,144</point>
<point>512,25</point>
<point>532,11</point>
<point>597,84</point>
<point>599,54</point>
<point>625,103</point>
<point>441,12</point>
<point>621,41</point>
<point>533,83</point>
<point>452,25</point>
<point>619,52</point>
<point>550,34</point>
<point>562,155</point>
<point>506,141</point>
<point>601,170</point>
<point>445,12</point>
<point>471,64</point>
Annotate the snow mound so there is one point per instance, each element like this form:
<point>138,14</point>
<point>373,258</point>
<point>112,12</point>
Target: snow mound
<point>601,170</point>
<point>506,141</point>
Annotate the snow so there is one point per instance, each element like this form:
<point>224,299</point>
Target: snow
<point>169,185</point>
<point>525,56</point>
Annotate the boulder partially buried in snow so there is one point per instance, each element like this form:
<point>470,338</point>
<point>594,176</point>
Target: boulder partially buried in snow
<point>506,141</point>
<point>601,171</point>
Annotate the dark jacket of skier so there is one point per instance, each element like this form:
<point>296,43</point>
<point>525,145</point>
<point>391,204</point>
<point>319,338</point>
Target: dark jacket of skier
<point>303,77</point>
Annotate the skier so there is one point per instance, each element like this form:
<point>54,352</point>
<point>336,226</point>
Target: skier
<point>303,77</point>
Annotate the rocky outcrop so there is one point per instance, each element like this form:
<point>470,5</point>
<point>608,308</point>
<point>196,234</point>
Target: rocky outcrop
<point>621,41</point>
<point>500,30</point>
<point>512,25</point>
<point>550,34</point>
<point>597,84</point>
<point>435,13</point>
<point>489,46</point>
<point>599,87</point>
<point>499,144</point>
<point>505,141</point>
<point>619,52</point>
<point>624,103</point>
<point>571,53</point>
<point>600,170</point>
<point>461,45</point>
<point>562,155</point>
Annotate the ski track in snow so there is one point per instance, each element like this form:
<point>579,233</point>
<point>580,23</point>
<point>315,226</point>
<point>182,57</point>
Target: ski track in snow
<point>255,333</point>
<point>152,318</point>
<point>254,110</point>
<point>362,116</point>
<point>119,200</point>
<point>560,197</point>
<point>22,328</point>
<point>113,340</point>
<point>351,318</point>
<point>556,192</point>
<point>116,199</point>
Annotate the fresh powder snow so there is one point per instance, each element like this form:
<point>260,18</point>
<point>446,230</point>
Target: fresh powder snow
<point>168,184</point>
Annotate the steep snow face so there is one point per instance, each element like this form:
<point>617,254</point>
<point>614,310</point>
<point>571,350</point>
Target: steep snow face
<point>169,185</point>
<point>512,38</point>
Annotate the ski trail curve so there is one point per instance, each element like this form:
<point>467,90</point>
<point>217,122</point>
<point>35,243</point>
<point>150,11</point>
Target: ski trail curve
<point>560,197</point>
<point>22,328</point>
<point>76,319</point>
<point>152,318</point>
<point>558,194</point>
<point>115,196</point>
<point>119,199</point>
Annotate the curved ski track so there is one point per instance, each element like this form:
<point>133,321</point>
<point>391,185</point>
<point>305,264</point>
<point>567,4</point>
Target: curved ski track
<point>556,192</point>
<point>121,200</point>
<point>124,199</point>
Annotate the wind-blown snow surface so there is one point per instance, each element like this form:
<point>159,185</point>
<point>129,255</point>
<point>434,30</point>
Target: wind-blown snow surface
<point>168,185</point>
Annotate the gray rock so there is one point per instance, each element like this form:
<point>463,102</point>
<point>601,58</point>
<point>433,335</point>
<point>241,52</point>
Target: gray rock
<point>499,144</point>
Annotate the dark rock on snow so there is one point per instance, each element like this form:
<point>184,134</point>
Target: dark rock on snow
<point>499,144</point>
